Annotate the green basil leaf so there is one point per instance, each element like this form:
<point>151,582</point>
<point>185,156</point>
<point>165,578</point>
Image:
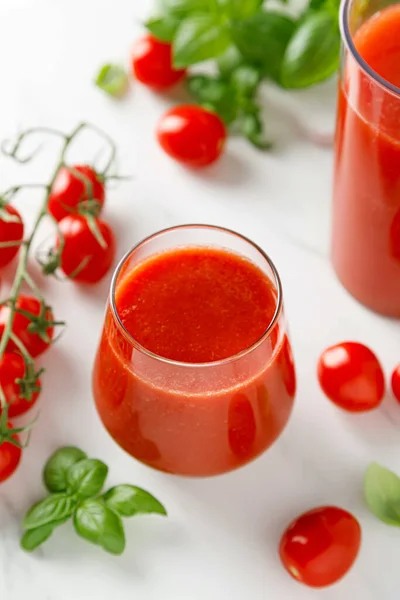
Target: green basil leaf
<point>33,538</point>
<point>163,28</point>
<point>57,467</point>
<point>112,79</point>
<point>246,80</point>
<point>182,8</point>
<point>199,38</point>
<point>230,60</point>
<point>262,40</point>
<point>86,478</point>
<point>55,507</point>
<point>240,9</point>
<point>316,4</point>
<point>382,493</point>
<point>129,500</point>
<point>100,525</point>
<point>215,94</point>
<point>252,128</point>
<point>313,52</point>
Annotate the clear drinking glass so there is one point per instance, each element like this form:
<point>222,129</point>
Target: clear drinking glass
<point>366,204</point>
<point>194,419</point>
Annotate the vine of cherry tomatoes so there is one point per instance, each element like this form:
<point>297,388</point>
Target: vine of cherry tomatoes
<point>84,250</point>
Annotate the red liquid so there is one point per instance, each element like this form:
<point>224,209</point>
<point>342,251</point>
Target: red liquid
<point>366,240</point>
<point>194,305</point>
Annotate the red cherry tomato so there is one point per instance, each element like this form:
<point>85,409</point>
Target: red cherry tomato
<point>10,456</point>
<point>351,376</point>
<point>396,383</point>
<point>35,342</point>
<point>320,546</point>
<point>12,368</point>
<point>11,230</point>
<point>192,135</point>
<point>152,63</point>
<point>70,190</point>
<point>83,258</point>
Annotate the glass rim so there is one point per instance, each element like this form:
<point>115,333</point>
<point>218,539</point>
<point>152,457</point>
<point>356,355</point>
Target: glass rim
<point>348,40</point>
<point>265,335</point>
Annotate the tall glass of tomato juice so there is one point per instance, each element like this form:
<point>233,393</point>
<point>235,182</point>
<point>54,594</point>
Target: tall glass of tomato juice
<point>366,205</point>
<point>194,372</point>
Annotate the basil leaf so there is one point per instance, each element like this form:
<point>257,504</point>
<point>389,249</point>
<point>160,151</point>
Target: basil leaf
<point>214,93</point>
<point>57,467</point>
<point>199,38</point>
<point>35,537</point>
<point>262,40</point>
<point>86,478</point>
<point>252,128</point>
<point>246,80</point>
<point>184,7</point>
<point>382,493</point>
<point>129,500</point>
<point>112,79</point>
<point>313,52</point>
<point>163,28</point>
<point>100,525</point>
<point>240,9</point>
<point>55,507</point>
<point>230,60</point>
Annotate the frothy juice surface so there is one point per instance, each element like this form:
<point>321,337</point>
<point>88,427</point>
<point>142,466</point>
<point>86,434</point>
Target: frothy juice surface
<point>194,306</point>
<point>366,241</point>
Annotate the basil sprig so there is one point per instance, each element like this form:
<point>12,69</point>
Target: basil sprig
<point>243,36</point>
<point>75,483</point>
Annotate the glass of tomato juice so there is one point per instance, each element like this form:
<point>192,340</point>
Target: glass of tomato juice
<point>366,204</point>
<point>194,373</point>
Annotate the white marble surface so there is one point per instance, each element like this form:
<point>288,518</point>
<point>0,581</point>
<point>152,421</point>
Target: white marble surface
<point>220,540</point>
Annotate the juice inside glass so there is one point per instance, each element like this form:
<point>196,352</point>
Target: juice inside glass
<point>194,373</point>
<point>366,206</point>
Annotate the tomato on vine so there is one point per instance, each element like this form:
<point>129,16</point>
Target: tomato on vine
<point>20,384</point>
<point>192,135</point>
<point>10,456</point>
<point>320,546</point>
<point>152,63</point>
<point>83,257</point>
<point>351,376</point>
<point>33,325</point>
<point>75,187</point>
<point>11,230</point>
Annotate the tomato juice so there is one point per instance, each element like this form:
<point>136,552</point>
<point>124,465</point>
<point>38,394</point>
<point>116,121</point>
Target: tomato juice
<point>194,374</point>
<point>366,213</point>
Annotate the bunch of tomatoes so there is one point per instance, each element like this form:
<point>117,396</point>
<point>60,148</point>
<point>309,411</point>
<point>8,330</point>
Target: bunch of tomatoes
<point>192,135</point>
<point>84,250</point>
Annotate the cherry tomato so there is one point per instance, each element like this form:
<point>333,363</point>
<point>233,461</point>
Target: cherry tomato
<point>152,63</point>
<point>10,457</point>
<point>33,342</point>
<point>192,135</point>
<point>12,368</point>
<point>396,383</point>
<point>70,190</point>
<point>11,230</point>
<point>351,376</point>
<point>320,546</point>
<point>83,258</point>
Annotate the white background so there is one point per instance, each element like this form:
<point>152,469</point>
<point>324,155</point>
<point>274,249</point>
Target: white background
<point>221,537</point>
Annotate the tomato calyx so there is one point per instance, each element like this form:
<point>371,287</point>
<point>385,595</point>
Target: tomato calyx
<point>39,324</point>
<point>8,433</point>
<point>28,385</point>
